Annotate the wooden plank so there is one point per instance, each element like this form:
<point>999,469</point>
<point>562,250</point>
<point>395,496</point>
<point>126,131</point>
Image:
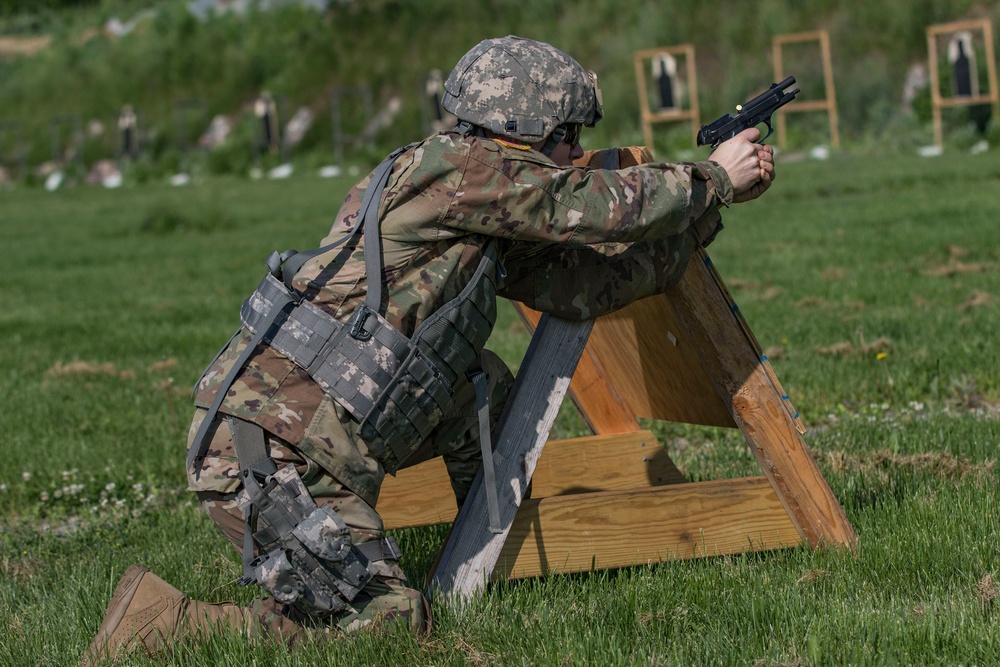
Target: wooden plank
<point>422,495</point>
<point>417,496</point>
<point>742,379</point>
<point>955,26</point>
<point>966,100</point>
<point>807,105</point>
<point>831,93</point>
<point>603,463</point>
<point>646,354</point>
<point>472,550</point>
<point>623,528</point>
<point>790,38</point>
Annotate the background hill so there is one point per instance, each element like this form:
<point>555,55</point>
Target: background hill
<point>91,57</point>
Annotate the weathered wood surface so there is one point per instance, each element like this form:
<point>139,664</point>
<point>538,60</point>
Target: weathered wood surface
<point>417,496</point>
<point>610,462</point>
<point>731,360</point>
<point>422,496</point>
<point>471,551</point>
<point>622,528</point>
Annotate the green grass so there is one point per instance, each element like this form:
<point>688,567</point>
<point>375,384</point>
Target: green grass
<point>873,283</point>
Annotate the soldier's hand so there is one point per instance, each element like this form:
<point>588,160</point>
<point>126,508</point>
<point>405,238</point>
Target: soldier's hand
<point>750,165</point>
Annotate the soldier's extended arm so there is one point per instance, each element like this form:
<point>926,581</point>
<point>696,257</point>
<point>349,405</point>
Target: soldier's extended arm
<point>521,197</point>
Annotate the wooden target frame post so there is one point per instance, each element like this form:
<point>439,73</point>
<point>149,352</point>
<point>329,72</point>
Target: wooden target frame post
<point>938,101</point>
<point>647,115</point>
<point>615,499</point>
<point>828,104</point>
<point>341,138</point>
<point>13,150</point>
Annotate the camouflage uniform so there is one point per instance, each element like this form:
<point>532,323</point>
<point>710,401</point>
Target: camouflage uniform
<point>575,242</point>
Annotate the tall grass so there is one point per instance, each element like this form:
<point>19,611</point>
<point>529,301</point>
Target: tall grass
<point>872,282</point>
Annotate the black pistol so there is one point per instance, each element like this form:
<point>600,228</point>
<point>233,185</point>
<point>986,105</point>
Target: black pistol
<point>749,114</point>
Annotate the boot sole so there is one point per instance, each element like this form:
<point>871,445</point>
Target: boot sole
<point>120,601</point>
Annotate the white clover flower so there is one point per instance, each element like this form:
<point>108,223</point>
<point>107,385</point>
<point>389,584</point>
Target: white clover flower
<point>44,496</point>
<point>26,475</point>
<point>3,488</point>
<point>110,487</point>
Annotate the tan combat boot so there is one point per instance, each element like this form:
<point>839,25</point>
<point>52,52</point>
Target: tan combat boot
<point>147,612</point>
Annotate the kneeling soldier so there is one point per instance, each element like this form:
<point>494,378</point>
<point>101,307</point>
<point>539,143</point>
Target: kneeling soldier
<point>367,355</point>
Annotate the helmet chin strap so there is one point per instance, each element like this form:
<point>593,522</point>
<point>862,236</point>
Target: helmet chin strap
<point>553,140</point>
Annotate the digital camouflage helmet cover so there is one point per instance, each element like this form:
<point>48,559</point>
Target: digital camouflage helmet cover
<point>522,89</point>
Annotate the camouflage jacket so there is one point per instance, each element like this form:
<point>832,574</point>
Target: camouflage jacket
<point>576,242</point>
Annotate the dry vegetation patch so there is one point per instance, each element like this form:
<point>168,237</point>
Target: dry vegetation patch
<point>20,569</point>
<point>810,301</point>
<point>882,463</point>
<point>977,299</point>
<point>986,589</point>
<point>847,348</point>
<point>811,576</point>
<point>60,369</point>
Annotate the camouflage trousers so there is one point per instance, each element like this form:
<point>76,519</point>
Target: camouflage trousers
<point>340,473</point>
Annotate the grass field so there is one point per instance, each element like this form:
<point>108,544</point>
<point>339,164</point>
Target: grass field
<point>872,283</point>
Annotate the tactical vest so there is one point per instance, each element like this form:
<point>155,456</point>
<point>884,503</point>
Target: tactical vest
<point>397,388</point>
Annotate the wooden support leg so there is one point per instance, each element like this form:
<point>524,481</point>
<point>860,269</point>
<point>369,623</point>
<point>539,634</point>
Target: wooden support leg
<point>744,381</point>
<point>471,552</point>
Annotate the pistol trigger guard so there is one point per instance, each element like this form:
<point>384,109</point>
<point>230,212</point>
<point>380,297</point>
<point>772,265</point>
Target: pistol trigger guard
<point>770,131</point>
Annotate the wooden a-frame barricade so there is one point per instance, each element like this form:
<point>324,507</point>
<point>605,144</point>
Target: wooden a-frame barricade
<point>616,499</point>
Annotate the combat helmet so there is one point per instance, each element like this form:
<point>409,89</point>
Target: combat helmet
<point>522,89</point>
